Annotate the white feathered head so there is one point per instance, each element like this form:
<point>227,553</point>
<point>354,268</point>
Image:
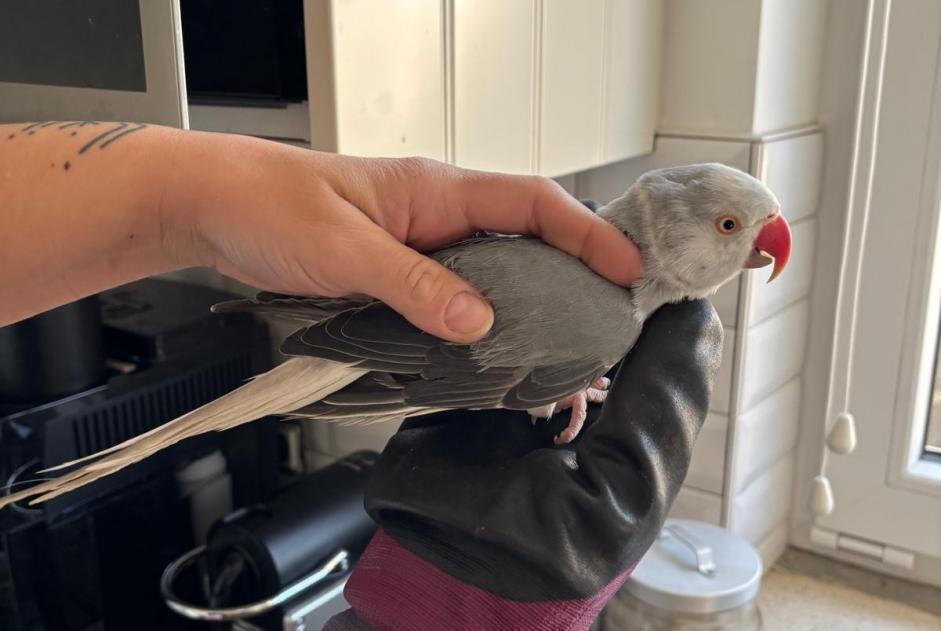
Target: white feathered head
<point>699,225</point>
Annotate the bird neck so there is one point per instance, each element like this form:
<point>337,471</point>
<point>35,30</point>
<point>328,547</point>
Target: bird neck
<point>652,293</point>
<point>631,214</point>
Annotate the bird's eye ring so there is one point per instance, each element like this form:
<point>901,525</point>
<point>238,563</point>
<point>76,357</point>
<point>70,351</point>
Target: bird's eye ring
<point>728,224</point>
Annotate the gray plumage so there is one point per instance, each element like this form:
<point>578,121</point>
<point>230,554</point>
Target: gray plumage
<point>531,357</point>
<point>558,326</point>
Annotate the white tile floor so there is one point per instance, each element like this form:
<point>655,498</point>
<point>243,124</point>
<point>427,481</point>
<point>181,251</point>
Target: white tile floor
<point>796,602</point>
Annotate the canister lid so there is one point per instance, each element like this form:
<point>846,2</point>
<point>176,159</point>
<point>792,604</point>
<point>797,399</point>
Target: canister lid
<point>696,567</point>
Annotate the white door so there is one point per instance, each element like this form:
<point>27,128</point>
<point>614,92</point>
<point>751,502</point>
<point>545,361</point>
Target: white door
<point>888,491</point>
<point>96,60</point>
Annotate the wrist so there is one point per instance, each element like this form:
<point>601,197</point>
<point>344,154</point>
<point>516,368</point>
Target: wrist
<point>188,184</point>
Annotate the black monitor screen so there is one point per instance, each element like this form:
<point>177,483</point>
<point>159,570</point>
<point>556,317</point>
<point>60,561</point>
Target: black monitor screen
<point>87,44</point>
<point>244,50</point>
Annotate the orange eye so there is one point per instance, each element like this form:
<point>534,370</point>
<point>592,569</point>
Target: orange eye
<point>728,224</point>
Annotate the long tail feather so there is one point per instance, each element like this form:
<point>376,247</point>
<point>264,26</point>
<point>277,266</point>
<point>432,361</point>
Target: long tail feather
<point>297,382</point>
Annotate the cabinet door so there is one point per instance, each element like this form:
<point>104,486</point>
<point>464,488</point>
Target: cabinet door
<point>571,85</point>
<point>92,60</point>
<point>600,82</point>
<point>494,89</point>
<point>376,72</point>
<point>631,77</point>
<point>528,86</point>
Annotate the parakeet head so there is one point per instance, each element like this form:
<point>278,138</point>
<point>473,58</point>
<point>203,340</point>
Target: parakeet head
<point>699,225</point>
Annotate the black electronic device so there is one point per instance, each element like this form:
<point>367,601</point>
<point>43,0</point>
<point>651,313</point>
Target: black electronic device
<point>244,52</point>
<point>281,564</point>
<point>92,559</point>
<point>53,354</point>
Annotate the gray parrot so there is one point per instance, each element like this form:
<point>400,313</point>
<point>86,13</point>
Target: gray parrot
<point>558,326</point>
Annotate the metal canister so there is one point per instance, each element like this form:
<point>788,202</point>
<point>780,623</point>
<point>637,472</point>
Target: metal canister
<point>695,577</point>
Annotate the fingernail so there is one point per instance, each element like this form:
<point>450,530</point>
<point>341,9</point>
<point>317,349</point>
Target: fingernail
<point>467,314</point>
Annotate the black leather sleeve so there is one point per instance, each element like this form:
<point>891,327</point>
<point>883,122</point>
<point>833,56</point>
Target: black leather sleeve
<point>487,498</point>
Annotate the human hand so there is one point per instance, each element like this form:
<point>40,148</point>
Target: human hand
<point>483,526</point>
<point>303,222</point>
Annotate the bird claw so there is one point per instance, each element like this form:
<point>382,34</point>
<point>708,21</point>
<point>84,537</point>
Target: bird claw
<point>596,393</point>
<point>579,406</point>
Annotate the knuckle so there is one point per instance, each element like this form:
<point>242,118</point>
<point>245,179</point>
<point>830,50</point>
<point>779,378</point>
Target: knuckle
<point>546,185</point>
<point>422,279</point>
<point>419,167</point>
<point>586,247</point>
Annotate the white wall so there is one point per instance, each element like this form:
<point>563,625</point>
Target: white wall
<point>788,72</point>
<point>740,67</point>
<point>709,57</point>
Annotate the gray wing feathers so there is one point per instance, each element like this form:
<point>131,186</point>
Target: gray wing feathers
<point>307,309</point>
<point>346,338</point>
<point>543,385</point>
<point>545,345</point>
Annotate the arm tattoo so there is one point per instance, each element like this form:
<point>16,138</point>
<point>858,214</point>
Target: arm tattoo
<point>111,133</point>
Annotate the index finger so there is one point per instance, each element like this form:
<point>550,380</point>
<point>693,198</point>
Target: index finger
<point>535,205</point>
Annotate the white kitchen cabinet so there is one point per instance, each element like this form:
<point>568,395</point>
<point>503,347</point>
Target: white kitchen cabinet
<point>387,80</point>
<point>495,84</point>
<point>572,92</point>
<point>530,86</point>
<point>599,82</point>
<point>631,78</point>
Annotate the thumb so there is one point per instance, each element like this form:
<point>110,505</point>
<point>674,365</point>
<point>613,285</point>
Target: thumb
<point>424,292</point>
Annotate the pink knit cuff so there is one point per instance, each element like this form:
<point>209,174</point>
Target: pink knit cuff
<point>391,588</point>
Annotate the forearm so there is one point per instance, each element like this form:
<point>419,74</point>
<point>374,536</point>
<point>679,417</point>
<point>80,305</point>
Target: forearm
<point>80,211</point>
<point>87,206</point>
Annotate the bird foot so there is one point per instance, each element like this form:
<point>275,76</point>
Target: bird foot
<point>579,404</point>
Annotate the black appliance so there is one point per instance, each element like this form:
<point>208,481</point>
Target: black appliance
<point>53,354</point>
<point>282,564</point>
<point>92,559</point>
<point>245,52</point>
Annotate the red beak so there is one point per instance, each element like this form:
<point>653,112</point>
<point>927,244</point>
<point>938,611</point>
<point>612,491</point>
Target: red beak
<point>773,242</point>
